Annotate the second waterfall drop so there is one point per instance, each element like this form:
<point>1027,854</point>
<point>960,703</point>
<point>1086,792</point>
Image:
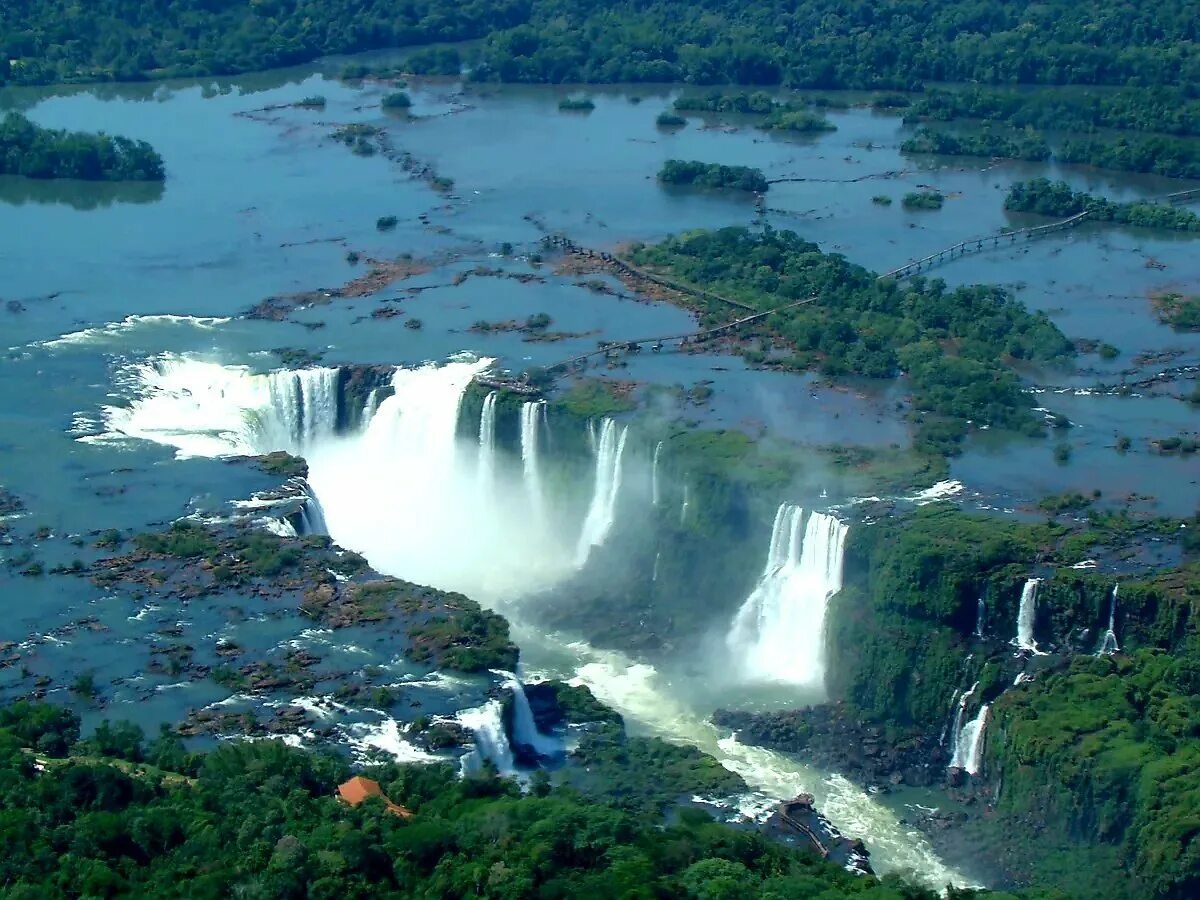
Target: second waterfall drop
<point>779,632</point>
<point>602,510</point>
<point>531,420</point>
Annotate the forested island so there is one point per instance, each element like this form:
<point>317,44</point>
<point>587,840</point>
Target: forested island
<point>35,152</point>
<point>713,175</point>
<point>864,326</point>
<point>1058,199</point>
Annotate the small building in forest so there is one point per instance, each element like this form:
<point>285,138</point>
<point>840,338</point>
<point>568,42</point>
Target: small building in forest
<point>358,789</point>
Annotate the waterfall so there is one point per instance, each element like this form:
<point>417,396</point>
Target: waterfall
<point>968,751</point>
<point>683,507</point>
<point>957,726</point>
<point>531,420</point>
<point>657,559</point>
<point>1109,645</point>
<point>778,634</point>
<point>980,613</point>
<point>1026,616</point>
<point>312,516</point>
<point>370,406</point>
<point>607,485</point>
<point>491,743</point>
<point>486,466</point>
<point>524,728</point>
<point>654,473</point>
<point>304,403</point>
<point>591,435</point>
<point>206,409</point>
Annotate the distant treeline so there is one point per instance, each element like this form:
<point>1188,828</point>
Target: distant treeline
<point>891,44</point>
<point>1056,198</point>
<point>35,152</point>
<point>1169,110</point>
<point>714,175</point>
<point>1155,154</point>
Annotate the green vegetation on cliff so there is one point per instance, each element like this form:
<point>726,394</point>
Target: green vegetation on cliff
<point>953,345</point>
<point>712,175</point>
<point>36,152</point>
<point>1109,750</point>
<point>1057,199</point>
<point>111,817</point>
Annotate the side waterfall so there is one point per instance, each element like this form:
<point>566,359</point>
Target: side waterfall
<point>531,420</point>
<point>654,495</point>
<point>1026,616</point>
<point>1109,645</point>
<point>601,512</point>
<point>957,727</point>
<point>486,466</point>
<point>523,726</point>
<point>778,634</point>
<point>491,743</point>
<point>312,516</point>
<point>980,613</point>
<point>683,507</point>
<point>968,752</point>
<point>305,405</point>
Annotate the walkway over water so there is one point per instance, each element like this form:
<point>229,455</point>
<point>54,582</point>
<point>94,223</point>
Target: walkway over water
<point>978,245</point>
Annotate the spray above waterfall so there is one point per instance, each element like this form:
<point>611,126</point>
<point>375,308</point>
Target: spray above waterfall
<point>778,634</point>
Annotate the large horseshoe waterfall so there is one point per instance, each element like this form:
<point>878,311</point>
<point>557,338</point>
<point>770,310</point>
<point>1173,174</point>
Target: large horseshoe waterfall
<point>779,632</point>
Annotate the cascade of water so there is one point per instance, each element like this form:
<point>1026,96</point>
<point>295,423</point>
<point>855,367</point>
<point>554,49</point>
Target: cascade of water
<point>1026,616</point>
<point>980,613</point>
<point>654,473</point>
<point>370,407</point>
<point>657,558</point>
<point>531,419</point>
<point>683,507</point>
<point>968,751</point>
<point>312,516</point>
<point>523,725</point>
<point>957,725</point>
<point>607,485</point>
<point>491,743</point>
<point>304,405</point>
<point>1109,645</point>
<point>778,634</point>
<point>591,435</point>
<point>486,466</point>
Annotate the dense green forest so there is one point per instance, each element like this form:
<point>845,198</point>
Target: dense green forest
<point>1169,110</point>
<point>1155,154</point>
<point>713,175</point>
<point>812,43</point>
<point>35,152</point>
<point>1058,199</point>
<point>110,816</point>
<point>952,344</point>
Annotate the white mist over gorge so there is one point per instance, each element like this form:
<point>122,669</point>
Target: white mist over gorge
<point>428,500</point>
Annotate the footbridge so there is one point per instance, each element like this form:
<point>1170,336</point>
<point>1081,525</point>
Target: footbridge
<point>1007,238</point>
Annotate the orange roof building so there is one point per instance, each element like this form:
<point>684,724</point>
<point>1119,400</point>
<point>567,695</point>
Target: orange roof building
<point>358,789</point>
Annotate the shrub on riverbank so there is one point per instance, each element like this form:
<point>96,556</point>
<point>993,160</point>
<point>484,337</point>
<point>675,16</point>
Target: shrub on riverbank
<point>923,200</point>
